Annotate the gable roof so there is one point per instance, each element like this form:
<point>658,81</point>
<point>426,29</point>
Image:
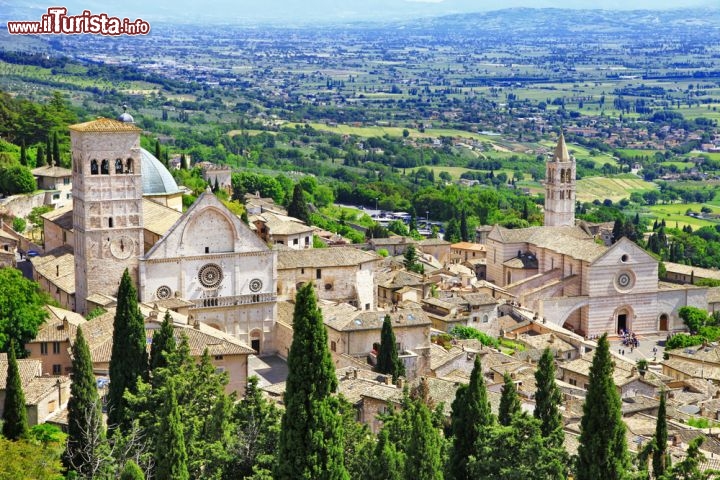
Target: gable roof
<point>571,241</point>
<point>324,258</point>
<point>104,125</point>
<point>637,255</point>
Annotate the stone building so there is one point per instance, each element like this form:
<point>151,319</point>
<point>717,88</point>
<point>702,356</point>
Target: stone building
<point>560,187</point>
<point>57,182</point>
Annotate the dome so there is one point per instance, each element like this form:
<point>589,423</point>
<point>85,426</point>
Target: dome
<point>126,118</point>
<point>156,179</point>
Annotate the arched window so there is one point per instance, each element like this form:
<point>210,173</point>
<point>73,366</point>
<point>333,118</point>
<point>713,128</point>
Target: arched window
<point>93,167</point>
<point>562,175</point>
<point>105,167</point>
<point>110,222</point>
<point>129,165</point>
<point>118,166</point>
<point>562,195</point>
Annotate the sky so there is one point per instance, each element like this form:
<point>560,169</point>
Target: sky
<point>304,11</point>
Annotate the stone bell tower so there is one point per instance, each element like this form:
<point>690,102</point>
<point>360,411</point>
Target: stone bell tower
<point>107,205</point>
<point>560,187</point>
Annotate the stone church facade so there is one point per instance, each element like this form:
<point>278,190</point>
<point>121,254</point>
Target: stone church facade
<point>561,272</point>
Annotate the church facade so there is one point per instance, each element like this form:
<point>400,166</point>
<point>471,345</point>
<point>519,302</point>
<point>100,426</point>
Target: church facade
<point>561,272</point>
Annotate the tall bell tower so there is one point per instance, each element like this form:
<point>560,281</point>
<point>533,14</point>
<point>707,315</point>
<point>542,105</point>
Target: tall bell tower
<point>107,205</point>
<point>560,187</point>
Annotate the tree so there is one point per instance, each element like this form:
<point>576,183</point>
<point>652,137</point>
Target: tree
<point>15,425</point>
<point>86,435</point>
<point>163,343</point>
<point>48,152</point>
<point>23,155</point>
<point>183,161</point>
<point>128,360</point>
<point>19,224</point>
<point>689,467</point>
<point>310,444</point>
<point>548,399</point>
<point>693,317</point>
<point>40,157</point>
<point>660,457</point>
<point>158,152</point>
<point>21,310</point>
<point>464,228</point>
<point>452,231</point>
<point>132,472</point>
<point>602,452</point>
<point>424,459</point>
<point>471,415</point>
<point>509,401</point>
<point>298,206</point>
<point>56,150</point>
<point>410,260</point>
<point>29,459</point>
<point>257,427</point>
<point>388,462</point>
<point>16,179</point>
<point>388,361</point>
<point>170,452</point>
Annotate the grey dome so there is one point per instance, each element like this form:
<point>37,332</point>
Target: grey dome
<point>156,179</point>
<point>126,118</point>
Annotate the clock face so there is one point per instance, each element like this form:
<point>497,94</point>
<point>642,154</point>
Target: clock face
<point>122,247</point>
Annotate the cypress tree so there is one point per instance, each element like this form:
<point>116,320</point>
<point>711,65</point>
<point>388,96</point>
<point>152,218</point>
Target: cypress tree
<point>424,451</point>
<point>548,399</point>
<point>310,444</point>
<point>163,343</point>
<point>388,462</point>
<point>216,186</point>
<point>158,153</point>
<point>23,154</point>
<point>470,415</point>
<point>56,150</point>
<point>387,360</point>
<point>85,423</point>
<point>40,156</point>
<point>298,206</point>
<point>132,472</point>
<point>183,161</point>
<point>602,452</point>
<point>464,229</point>
<point>128,360</point>
<point>15,425</point>
<point>48,152</point>
<point>170,452</point>
<point>660,457</point>
<point>509,401</point>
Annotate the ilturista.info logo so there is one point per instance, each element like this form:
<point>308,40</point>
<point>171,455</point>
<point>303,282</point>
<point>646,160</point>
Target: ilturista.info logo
<point>57,22</point>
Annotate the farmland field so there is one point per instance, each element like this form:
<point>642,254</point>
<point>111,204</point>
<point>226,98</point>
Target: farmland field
<point>614,188</point>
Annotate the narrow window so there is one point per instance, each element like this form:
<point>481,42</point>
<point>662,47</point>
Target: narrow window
<point>56,347</point>
<point>43,348</point>
<point>129,166</point>
<point>110,222</point>
<point>93,167</point>
<point>118,166</point>
<point>57,369</point>
<point>318,273</point>
<point>207,249</point>
<point>105,167</point>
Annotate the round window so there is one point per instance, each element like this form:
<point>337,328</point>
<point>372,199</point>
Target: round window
<point>255,284</point>
<point>163,292</point>
<point>210,275</point>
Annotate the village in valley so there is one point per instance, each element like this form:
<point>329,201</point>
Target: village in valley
<point>425,291</point>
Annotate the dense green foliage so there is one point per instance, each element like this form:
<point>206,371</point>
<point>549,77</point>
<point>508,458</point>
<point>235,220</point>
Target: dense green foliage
<point>170,453</point>
<point>310,444</point>
<point>129,359</point>
<point>548,400</point>
<point>21,310</point>
<point>603,450</point>
<point>15,423</point>
<point>461,331</point>
<point>298,206</point>
<point>660,456</point>
<point>29,459</point>
<point>509,401</point>
<point>388,361</point>
<point>163,343</point>
<point>132,472</point>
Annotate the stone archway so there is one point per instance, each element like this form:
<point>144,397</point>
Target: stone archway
<point>623,316</point>
<point>664,322</point>
<point>256,340</point>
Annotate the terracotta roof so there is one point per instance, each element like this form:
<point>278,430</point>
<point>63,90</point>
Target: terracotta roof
<point>58,267</point>
<point>697,272</point>
<point>433,242</point>
<point>393,240</point>
<point>346,318</point>
<point>62,217</point>
<point>478,247</point>
<point>324,258</point>
<point>281,224</point>
<point>561,152</point>
<point>28,368</point>
<point>41,387</point>
<point>158,218</point>
<point>399,278</point>
<point>52,171</point>
<point>105,125</point>
<point>55,329</point>
<point>571,241</point>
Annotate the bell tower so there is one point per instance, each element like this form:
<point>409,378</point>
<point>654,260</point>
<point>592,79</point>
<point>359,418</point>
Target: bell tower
<point>107,205</point>
<point>560,187</point>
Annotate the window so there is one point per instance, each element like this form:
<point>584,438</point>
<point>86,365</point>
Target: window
<point>93,167</point>
<point>43,348</point>
<point>56,347</point>
<point>302,271</point>
<point>110,222</point>
<point>118,166</point>
<point>318,273</point>
<point>218,357</point>
<point>105,167</point>
<point>219,369</point>
<point>57,368</point>
<point>367,306</point>
<point>333,346</point>
<point>129,166</point>
<point>485,318</point>
<point>307,240</point>
<point>56,196</point>
<point>572,382</point>
<point>295,241</point>
<point>207,249</point>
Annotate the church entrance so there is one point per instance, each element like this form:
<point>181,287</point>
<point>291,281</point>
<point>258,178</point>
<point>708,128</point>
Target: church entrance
<point>664,320</point>
<point>255,340</point>
<point>255,345</point>
<point>622,322</point>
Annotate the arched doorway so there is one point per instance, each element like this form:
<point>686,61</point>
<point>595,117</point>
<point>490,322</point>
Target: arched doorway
<point>623,319</point>
<point>256,340</point>
<point>664,322</point>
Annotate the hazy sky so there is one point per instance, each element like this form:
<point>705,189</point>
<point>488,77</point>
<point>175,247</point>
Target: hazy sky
<point>329,10</point>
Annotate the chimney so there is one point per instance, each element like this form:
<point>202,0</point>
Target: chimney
<point>65,324</point>
<point>388,380</point>
<point>354,373</point>
<point>400,383</point>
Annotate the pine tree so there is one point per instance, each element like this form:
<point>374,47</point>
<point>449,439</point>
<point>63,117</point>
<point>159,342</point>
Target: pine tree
<point>163,343</point>
<point>170,453</point>
<point>602,452</point>
<point>86,435</point>
<point>15,425</point>
<point>548,399</point>
<point>388,462</point>
<point>509,401</point>
<point>298,206</point>
<point>471,414</point>
<point>40,156</point>
<point>128,360</point>
<point>388,361</point>
<point>56,150</point>
<point>310,444</point>
<point>424,450</point>
<point>132,472</point>
<point>660,456</point>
